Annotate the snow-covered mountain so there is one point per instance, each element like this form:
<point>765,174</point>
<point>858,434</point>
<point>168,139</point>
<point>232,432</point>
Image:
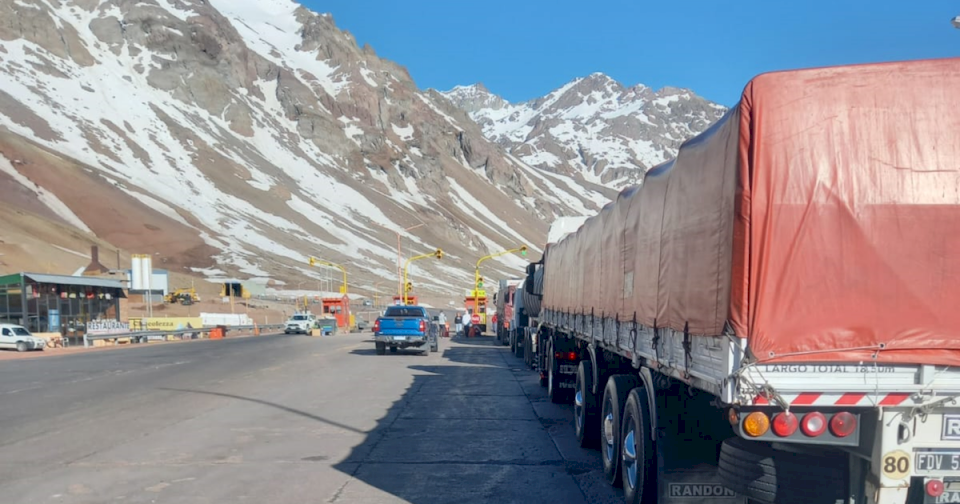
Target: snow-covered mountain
<point>239,137</point>
<point>592,128</point>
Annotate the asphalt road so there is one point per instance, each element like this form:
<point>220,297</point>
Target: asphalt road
<point>287,419</point>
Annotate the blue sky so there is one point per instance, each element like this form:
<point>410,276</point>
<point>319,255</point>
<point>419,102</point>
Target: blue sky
<point>523,49</point>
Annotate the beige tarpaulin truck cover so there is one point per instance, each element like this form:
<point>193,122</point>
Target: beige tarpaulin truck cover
<point>819,219</point>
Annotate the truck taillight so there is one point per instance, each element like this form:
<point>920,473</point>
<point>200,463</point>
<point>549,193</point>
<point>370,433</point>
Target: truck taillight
<point>843,424</point>
<point>423,326</point>
<point>785,424</point>
<point>813,424</point>
<point>756,424</point>
<point>570,356</point>
<point>376,326</point>
<point>934,488</point>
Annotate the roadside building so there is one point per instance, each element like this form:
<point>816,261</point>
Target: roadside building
<point>59,304</point>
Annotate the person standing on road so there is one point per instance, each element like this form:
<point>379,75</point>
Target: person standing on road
<point>443,323</point>
<point>466,324</point>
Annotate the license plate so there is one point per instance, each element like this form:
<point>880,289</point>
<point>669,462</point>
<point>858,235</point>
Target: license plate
<point>939,462</point>
<point>565,384</point>
<point>398,322</point>
<point>568,369</point>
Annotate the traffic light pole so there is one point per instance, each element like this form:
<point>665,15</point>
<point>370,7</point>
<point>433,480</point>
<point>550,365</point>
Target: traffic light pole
<point>314,261</point>
<point>476,274</point>
<point>436,253</point>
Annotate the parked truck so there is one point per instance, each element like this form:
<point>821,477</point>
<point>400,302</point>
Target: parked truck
<point>504,301</point>
<point>772,316</point>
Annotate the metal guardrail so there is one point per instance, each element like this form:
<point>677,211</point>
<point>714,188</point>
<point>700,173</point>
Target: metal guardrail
<point>144,336</point>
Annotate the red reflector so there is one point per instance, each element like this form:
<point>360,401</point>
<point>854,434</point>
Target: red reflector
<point>785,424</point>
<point>843,424</point>
<point>813,424</point>
<point>572,356</point>
<point>558,355</point>
<point>934,488</point>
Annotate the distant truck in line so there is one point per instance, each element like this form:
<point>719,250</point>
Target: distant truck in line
<point>771,317</point>
<point>504,301</point>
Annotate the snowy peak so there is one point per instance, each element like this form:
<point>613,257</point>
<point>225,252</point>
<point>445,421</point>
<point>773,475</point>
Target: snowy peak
<point>474,98</point>
<point>593,128</point>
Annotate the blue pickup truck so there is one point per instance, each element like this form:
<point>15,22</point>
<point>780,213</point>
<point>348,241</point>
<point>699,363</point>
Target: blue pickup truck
<point>404,327</point>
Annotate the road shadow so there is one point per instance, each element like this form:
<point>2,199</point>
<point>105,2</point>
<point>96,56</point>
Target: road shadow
<point>476,341</point>
<point>464,431</point>
<point>270,404</point>
<point>373,351</point>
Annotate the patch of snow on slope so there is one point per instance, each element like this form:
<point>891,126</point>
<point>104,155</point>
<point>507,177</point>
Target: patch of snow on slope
<point>49,199</point>
<point>368,76</point>
<point>405,133</point>
<point>488,216</point>
<point>268,25</point>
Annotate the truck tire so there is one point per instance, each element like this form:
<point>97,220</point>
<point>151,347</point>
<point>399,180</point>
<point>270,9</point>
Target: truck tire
<point>611,413</point>
<point>393,349</point>
<point>381,348</point>
<point>504,338</point>
<point>518,344</point>
<point>512,341</point>
<point>757,471</point>
<point>638,462</point>
<point>585,407</point>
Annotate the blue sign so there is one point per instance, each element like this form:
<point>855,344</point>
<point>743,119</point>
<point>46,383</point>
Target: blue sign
<point>54,317</point>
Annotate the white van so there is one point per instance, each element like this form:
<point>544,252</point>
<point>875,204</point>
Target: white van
<point>18,337</point>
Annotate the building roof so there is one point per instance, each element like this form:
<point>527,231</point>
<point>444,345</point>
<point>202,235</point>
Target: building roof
<point>62,280</point>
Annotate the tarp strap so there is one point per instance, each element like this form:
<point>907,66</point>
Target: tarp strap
<point>687,345</point>
<point>656,337</point>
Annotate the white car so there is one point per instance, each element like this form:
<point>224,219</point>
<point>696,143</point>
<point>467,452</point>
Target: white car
<point>300,323</point>
<point>18,337</point>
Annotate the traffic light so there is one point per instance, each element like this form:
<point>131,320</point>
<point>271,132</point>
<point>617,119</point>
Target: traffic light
<point>409,286</point>
<point>523,250</point>
<point>480,283</point>
<point>313,261</point>
<point>438,254</point>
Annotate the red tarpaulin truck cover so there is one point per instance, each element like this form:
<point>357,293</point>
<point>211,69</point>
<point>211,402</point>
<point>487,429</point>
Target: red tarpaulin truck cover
<point>820,218</point>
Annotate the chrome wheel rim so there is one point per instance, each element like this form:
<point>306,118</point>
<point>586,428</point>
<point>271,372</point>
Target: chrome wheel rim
<point>630,456</point>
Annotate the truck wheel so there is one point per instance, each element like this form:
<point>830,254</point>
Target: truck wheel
<point>614,399</point>
<point>519,350</point>
<point>393,349</point>
<point>585,406</point>
<point>513,344</point>
<point>381,348</point>
<point>638,465</point>
<point>758,472</point>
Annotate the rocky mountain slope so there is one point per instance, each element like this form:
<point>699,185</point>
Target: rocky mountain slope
<point>592,128</point>
<point>239,137</point>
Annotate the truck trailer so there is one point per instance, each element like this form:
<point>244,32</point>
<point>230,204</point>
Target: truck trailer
<point>504,300</point>
<point>772,316</point>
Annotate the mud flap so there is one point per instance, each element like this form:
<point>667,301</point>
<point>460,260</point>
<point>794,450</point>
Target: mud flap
<point>698,485</point>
